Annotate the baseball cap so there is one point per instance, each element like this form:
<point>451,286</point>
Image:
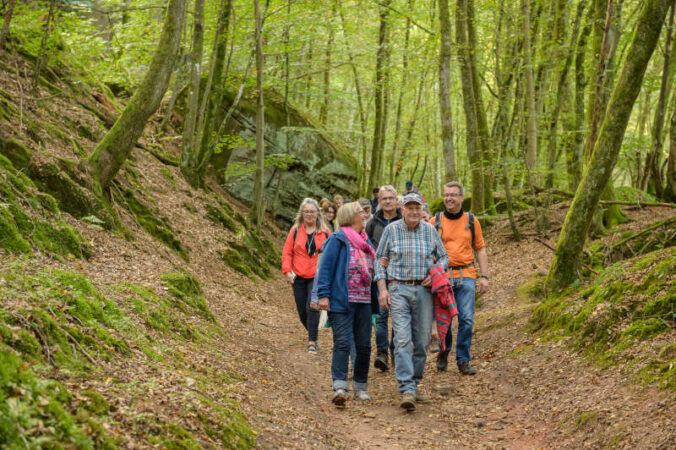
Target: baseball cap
<point>409,184</point>
<point>412,197</point>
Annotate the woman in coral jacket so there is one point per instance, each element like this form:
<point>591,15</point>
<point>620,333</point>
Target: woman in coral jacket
<point>299,263</point>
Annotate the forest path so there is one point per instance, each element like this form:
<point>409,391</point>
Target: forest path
<point>528,393</point>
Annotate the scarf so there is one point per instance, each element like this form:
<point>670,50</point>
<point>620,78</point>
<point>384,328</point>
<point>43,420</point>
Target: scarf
<point>364,250</point>
<point>454,216</point>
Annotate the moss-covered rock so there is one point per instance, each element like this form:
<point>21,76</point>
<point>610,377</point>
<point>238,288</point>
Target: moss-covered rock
<point>187,289</point>
<point>16,152</point>
<point>630,303</point>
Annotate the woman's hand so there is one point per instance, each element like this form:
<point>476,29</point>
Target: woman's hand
<point>314,306</point>
<point>324,304</point>
<point>290,277</point>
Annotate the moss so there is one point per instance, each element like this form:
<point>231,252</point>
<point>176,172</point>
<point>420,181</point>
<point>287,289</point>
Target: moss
<point>85,133</point>
<point>10,237</point>
<point>190,206</point>
<point>48,202</point>
<point>160,229</point>
<point>586,420</point>
<point>166,173</point>
<point>96,403</point>
<point>186,288</point>
<point>233,259</point>
<point>221,217</point>
<point>16,152</point>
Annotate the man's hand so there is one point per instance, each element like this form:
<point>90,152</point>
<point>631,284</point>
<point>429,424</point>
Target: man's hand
<point>290,277</point>
<point>384,299</point>
<point>384,261</point>
<point>427,282</point>
<point>324,304</point>
<point>482,286</point>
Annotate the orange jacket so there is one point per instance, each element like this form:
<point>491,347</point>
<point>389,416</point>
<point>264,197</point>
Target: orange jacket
<point>457,239</point>
<point>295,256</point>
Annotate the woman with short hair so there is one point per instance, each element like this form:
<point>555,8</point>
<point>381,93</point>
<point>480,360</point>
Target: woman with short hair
<point>344,290</point>
<point>299,263</point>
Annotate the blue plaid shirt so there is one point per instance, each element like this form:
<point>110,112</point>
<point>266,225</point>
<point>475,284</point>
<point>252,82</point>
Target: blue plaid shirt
<point>411,252</point>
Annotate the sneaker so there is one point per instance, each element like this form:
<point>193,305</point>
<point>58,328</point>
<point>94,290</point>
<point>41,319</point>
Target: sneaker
<point>442,361</point>
<point>339,397</point>
<point>408,402</point>
<point>381,362</point>
<point>466,369</point>
<point>362,396</point>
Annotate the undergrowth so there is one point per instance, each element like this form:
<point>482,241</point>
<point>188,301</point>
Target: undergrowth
<point>626,316</point>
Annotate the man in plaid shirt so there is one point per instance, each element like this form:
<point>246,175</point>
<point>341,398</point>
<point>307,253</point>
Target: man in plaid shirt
<point>411,247</point>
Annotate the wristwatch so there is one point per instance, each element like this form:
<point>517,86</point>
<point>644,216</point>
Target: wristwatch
<point>484,276</point>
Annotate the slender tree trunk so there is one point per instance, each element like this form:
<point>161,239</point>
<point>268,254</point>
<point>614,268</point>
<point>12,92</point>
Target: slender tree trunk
<point>43,53</point>
<point>9,11</point>
<point>324,108</point>
<point>531,114</point>
<point>380,93</point>
<point>670,191</point>
<point>402,89</point>
<point>471,123</point>
<point>399,165</point>
<point>190,122</point>
<point>308,78</point>
<point>214,95</point>
<point>560,97</point>
<point>445,91</point>
<point>655,160</point>
<point>258,204</point>
<point>564,268</point>
<point>114,148</point>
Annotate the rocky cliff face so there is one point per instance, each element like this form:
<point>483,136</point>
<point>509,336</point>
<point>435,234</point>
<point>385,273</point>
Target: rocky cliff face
<point>321,166</point>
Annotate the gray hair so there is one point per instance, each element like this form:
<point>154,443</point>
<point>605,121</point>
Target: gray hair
<point>455,184</point>
<point>299,217</point>
<point>387,187</point>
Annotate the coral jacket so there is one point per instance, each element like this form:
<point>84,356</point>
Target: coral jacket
<point>295,256</point>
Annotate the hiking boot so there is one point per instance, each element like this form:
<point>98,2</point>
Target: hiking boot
<point>466,369</point>
<point>421,398</point>
<point>408,402</point>
<point>442,361</point>
<point>339,396</point>
<point>381,362</point>
<point>362,396</point>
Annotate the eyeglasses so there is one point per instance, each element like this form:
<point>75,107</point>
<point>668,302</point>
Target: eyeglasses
<point>387,199</point>
<point>310,213</point>
<point>452,195</point>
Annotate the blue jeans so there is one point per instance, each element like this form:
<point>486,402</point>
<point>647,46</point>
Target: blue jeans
<point>353,326</point>
<point>382,342</point>
<point>411,313</point>
<point>464,298</point>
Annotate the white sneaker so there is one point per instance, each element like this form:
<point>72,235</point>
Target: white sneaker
<point>339,396</point>
<point>362,396</point>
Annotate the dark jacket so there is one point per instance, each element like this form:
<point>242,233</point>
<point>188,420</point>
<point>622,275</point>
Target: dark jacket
<point>375,226</point>
<point>333,271</point>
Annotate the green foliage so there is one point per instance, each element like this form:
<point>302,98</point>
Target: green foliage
<point>186,289</point>
<point>629,303</point>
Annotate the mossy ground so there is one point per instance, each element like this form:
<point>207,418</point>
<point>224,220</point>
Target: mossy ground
<point>57,324</point>
<point>625,316</point>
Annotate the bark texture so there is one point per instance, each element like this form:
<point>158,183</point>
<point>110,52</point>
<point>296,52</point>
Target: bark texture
<point>445,91</point>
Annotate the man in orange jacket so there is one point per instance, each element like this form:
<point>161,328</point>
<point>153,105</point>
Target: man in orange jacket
<point>461,234</point>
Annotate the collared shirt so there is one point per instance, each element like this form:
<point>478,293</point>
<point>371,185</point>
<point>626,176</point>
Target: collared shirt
<point>411,252</point>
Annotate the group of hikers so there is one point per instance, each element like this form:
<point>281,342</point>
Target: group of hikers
<point>387,258</point>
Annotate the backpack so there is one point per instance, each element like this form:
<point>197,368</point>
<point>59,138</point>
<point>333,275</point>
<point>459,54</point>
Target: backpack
<point>470,220</point>
<point>326,235</point>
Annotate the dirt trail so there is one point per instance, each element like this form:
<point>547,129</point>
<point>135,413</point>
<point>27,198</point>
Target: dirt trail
<point>527,393</point>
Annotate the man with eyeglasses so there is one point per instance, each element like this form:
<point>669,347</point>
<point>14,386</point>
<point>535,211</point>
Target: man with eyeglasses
<point>385,215</point>
<point>462,237</point>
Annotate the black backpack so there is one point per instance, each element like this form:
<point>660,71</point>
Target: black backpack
<point>470,225</point>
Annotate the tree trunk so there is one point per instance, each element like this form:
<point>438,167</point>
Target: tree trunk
<point>5,24</point>
<point>380,93</point>
<point>190,133</point>
<point>471,123</point>
<point>214,96</point>
<point>445,91</point>
<point>114,148</point>
<point>399,165</point>
<point>43,54</point>
<point>655,160</point>
<point>560,96</point>
<point>258,204</point>
<point>531,114</point>
<point>324,109</point>
<point>483,137</point>
<point>564,268</point>
<point>402,90</point>
<point>574,144</point>
<point>670,191</point>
